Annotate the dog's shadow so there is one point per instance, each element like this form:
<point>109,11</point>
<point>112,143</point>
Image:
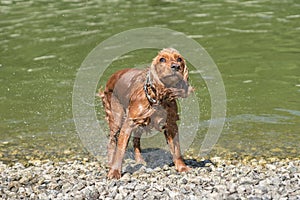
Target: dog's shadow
<point>155,157</point>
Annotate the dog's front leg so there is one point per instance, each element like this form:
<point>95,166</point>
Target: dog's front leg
<point>116,167</point>
<point>172,137</point>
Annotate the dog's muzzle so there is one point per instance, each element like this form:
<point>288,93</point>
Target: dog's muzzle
<point>175,67</point>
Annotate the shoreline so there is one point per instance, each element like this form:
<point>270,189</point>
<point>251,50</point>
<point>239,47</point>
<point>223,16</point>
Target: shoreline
<point>86,179</point>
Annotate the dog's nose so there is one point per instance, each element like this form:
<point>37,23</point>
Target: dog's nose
<point>175,67</point>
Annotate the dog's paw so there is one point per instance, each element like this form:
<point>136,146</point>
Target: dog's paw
<point>114,174</point>
<point>183,168</point>
<point>140,160</point>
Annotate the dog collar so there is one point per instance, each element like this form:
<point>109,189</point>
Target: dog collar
<point>146,85</point>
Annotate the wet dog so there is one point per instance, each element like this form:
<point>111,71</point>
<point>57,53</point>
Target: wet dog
<point>135,98</point>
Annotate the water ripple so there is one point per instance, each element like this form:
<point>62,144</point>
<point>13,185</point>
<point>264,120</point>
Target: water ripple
<point>267,118</point>
<point>292,112</point>
<point>244,30</point>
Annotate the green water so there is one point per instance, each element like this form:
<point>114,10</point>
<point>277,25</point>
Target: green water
<point>255,44</point>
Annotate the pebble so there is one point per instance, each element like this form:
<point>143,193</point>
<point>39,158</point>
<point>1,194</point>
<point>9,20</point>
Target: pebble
<point>87,180</point>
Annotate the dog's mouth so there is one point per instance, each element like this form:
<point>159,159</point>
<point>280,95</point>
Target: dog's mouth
<point>172,80</point>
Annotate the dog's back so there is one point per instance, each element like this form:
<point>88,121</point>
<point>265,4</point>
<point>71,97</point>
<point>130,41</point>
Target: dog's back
<point>120,85</point>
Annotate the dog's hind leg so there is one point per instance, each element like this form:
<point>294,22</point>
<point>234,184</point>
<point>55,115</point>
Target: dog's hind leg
<point>124,135</point>
<point>115,119</point>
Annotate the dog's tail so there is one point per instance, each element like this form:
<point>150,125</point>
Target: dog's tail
<point>105,102</point>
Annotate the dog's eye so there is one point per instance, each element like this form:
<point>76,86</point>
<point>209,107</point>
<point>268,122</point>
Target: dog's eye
<point>162,60</point>
<point>179,59</point>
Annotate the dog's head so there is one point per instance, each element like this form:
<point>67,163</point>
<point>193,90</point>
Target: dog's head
<point>170,68</point>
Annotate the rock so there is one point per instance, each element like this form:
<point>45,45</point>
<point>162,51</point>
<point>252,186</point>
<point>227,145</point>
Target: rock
<point>87,180</point>
<point>138,195</point>
<point>119,197</point>
<point>270,166</point>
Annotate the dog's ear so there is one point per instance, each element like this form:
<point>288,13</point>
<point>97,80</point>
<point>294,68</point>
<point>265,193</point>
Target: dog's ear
<point>153,74</point>
<point>185,73</point>
<point>189,89</point>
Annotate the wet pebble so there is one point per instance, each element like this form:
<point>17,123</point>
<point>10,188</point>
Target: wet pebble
<point>87,180</point>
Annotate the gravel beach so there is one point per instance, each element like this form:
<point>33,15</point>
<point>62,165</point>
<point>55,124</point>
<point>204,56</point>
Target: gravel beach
<point>209,179</point>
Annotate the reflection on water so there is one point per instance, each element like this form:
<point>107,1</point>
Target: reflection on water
<point>254,43</point>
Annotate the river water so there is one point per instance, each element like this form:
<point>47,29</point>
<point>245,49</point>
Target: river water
<point>255,45</point>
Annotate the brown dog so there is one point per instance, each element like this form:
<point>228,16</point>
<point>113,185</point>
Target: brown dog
<point>136,98</point>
